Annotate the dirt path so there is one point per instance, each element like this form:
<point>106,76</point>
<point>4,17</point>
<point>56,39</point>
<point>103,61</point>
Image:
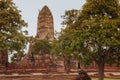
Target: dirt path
<point>37,76</point>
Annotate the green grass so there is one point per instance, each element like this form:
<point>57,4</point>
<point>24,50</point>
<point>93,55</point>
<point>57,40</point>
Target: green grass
<point>105,79</point>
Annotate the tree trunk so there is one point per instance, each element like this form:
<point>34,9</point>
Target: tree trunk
<point>101,70</point>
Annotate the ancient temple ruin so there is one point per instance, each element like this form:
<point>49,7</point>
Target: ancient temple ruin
<point>45,31</point>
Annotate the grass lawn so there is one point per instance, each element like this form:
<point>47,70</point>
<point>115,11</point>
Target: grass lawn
<point>105,79</point>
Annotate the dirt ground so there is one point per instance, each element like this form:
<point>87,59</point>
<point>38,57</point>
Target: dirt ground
<point>51,76</point>
<point>39,77</point>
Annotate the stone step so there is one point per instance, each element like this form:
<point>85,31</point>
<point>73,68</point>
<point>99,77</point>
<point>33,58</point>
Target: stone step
<point>2,68</point>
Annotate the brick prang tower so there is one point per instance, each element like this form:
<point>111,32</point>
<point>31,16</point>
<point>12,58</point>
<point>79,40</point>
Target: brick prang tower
<point>45,28</point>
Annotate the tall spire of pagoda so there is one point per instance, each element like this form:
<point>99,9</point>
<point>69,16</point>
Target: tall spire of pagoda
<point>45,28</point>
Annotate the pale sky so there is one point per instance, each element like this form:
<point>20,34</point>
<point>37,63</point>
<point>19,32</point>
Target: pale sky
<point>30,10</point>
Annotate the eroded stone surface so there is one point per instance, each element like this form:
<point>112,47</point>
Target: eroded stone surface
<point>45,31</point>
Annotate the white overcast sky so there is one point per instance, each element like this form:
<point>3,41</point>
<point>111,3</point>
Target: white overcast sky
<point>30,10</point>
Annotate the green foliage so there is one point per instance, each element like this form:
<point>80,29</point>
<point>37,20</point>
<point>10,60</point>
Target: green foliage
<point>16,57</point>
<point>12,35</point>
<point>95,32</point>
<point>70,17</point>
<point>55,48</point>
<point>100,28</point>
<point>93,35</point>
<point>41,47</point>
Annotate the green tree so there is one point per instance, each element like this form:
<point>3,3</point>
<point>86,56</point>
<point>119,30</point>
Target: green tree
<point>55,49</point>
<point>41,45</point>
<point>95,34</point>
<point>13,35</point>
<point>41,48</point>
<point>61,51</point>
<point>17,57</point>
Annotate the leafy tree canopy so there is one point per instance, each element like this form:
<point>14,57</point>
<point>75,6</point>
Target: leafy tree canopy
<point>40,47</point>
<point>94,34</point>
<point>12,28</point>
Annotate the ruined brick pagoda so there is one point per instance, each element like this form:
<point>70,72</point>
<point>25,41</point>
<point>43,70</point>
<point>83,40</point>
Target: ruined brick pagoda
<point>45,28</point>
<point>45,31</point>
